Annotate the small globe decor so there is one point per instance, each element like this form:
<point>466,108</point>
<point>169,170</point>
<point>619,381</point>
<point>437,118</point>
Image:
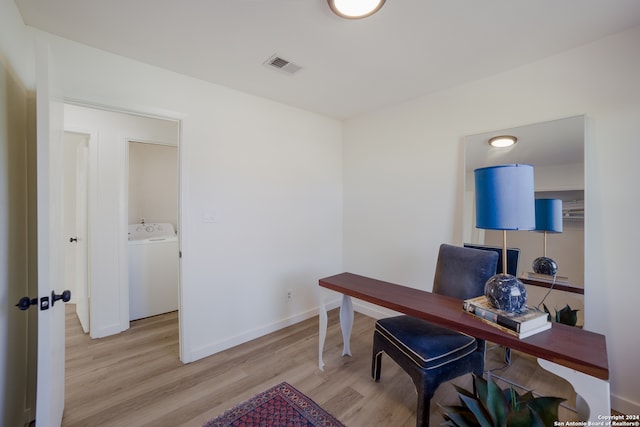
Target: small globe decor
<point>506,292</point>
<point>545,265</point>
<point>505,201</point>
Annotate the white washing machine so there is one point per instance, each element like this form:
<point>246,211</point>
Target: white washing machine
<point>153,270</point>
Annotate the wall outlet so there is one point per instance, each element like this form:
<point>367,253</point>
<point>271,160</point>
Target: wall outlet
<point>289,295</point>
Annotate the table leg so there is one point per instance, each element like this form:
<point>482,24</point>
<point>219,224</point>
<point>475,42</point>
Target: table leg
<point>593,393</point>
<point>322,333</point>
<point>346,323</point>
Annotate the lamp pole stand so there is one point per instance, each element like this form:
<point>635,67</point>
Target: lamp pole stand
<point>504,251</point>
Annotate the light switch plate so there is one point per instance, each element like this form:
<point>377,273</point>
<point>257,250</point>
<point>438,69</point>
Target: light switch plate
<point>208,216</point>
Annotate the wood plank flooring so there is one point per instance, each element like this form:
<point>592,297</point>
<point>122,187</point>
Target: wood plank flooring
<point>136,379</point>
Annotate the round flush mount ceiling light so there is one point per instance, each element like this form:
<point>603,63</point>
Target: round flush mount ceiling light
<point>503,141</point>
<point>355,9</point>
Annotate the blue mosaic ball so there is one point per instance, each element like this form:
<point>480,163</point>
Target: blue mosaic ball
<point>506,292</point>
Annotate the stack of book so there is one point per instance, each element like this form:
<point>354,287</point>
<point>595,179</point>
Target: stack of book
<point>525,323</point>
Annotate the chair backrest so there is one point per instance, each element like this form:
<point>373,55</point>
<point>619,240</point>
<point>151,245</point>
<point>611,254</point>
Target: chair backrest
<point>462,272</point>
<point>513,257</point>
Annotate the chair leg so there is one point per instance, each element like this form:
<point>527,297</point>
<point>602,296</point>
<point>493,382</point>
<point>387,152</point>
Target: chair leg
<point>376,365</point>
<point>507,356</point>
<point>423,408</point>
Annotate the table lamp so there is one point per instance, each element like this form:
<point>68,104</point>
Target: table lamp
<point>505,201</point>
<point>548,220</point>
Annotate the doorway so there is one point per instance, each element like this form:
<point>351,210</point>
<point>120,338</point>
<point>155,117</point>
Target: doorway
<point>152,237</point>
<point>76,192</point>
<point>109,134</point>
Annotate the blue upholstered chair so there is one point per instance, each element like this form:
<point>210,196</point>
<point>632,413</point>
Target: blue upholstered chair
<point>431,354</point>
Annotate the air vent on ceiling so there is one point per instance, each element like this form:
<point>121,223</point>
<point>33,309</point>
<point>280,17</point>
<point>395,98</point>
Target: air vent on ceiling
<point>282,64</point>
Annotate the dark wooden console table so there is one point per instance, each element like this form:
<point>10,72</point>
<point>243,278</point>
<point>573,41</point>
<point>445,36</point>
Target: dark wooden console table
<point>575,354</point>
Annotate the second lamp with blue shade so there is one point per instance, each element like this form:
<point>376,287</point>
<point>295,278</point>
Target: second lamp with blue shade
<point>505,201</point>
<point>548,220</point>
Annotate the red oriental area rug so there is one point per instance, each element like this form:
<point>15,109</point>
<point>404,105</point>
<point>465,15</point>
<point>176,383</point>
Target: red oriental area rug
<point>280,406</point>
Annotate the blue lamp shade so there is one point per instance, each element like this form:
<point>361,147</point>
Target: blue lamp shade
<point>505,197</point>
<point>549,215</point>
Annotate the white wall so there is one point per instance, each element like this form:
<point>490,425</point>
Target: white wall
<point>404,180</point>
<point>153,183</point>
<point>271,176</point>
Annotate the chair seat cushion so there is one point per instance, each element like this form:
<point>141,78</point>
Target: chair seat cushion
<point>428,345</point>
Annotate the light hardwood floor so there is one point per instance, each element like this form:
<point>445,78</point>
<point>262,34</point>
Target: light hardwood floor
<point>136,379</point>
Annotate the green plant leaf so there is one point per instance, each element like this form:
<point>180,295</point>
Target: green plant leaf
<point>480,388</point>
<point>458,416</point>
<point>521,418</point>
<point>511,396</point>
<point>567,316</point>
<point>497,404</point>
<point>478,410</point>
<point>524,398</point>
<point>546,408</point>
<point>490,406</point>
<point>463,392</point>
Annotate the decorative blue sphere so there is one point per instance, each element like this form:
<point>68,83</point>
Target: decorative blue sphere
<point>544,265</point>
<point>506,292</point>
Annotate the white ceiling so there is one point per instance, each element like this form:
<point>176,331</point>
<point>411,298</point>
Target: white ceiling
<point>410,48</point>
<point>552,143</point>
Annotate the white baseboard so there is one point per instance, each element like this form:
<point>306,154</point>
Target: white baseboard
<point>107,330</point>
<point>367,309</point>
<point>624,406</point>
<point>225,344</point>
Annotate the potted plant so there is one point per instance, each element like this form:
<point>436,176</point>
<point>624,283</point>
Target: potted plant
<point>489,405</point>
<point>566,315</point>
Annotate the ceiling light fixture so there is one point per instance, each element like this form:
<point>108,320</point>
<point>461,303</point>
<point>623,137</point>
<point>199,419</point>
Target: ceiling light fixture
<point>503,141</point>
<point>355,9</point>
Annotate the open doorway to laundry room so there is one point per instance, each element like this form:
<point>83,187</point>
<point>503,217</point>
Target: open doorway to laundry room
<point>131,173</point>
<point>152,238</point>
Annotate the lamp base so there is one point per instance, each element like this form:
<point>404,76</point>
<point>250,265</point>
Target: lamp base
<point>506,292</point>
<point>544,265</point>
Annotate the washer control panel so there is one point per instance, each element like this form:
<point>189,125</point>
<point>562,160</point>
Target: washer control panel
<point>151,230</point>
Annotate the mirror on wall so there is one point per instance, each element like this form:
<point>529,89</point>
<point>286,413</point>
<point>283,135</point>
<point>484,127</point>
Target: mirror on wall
<point>556,150</point>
